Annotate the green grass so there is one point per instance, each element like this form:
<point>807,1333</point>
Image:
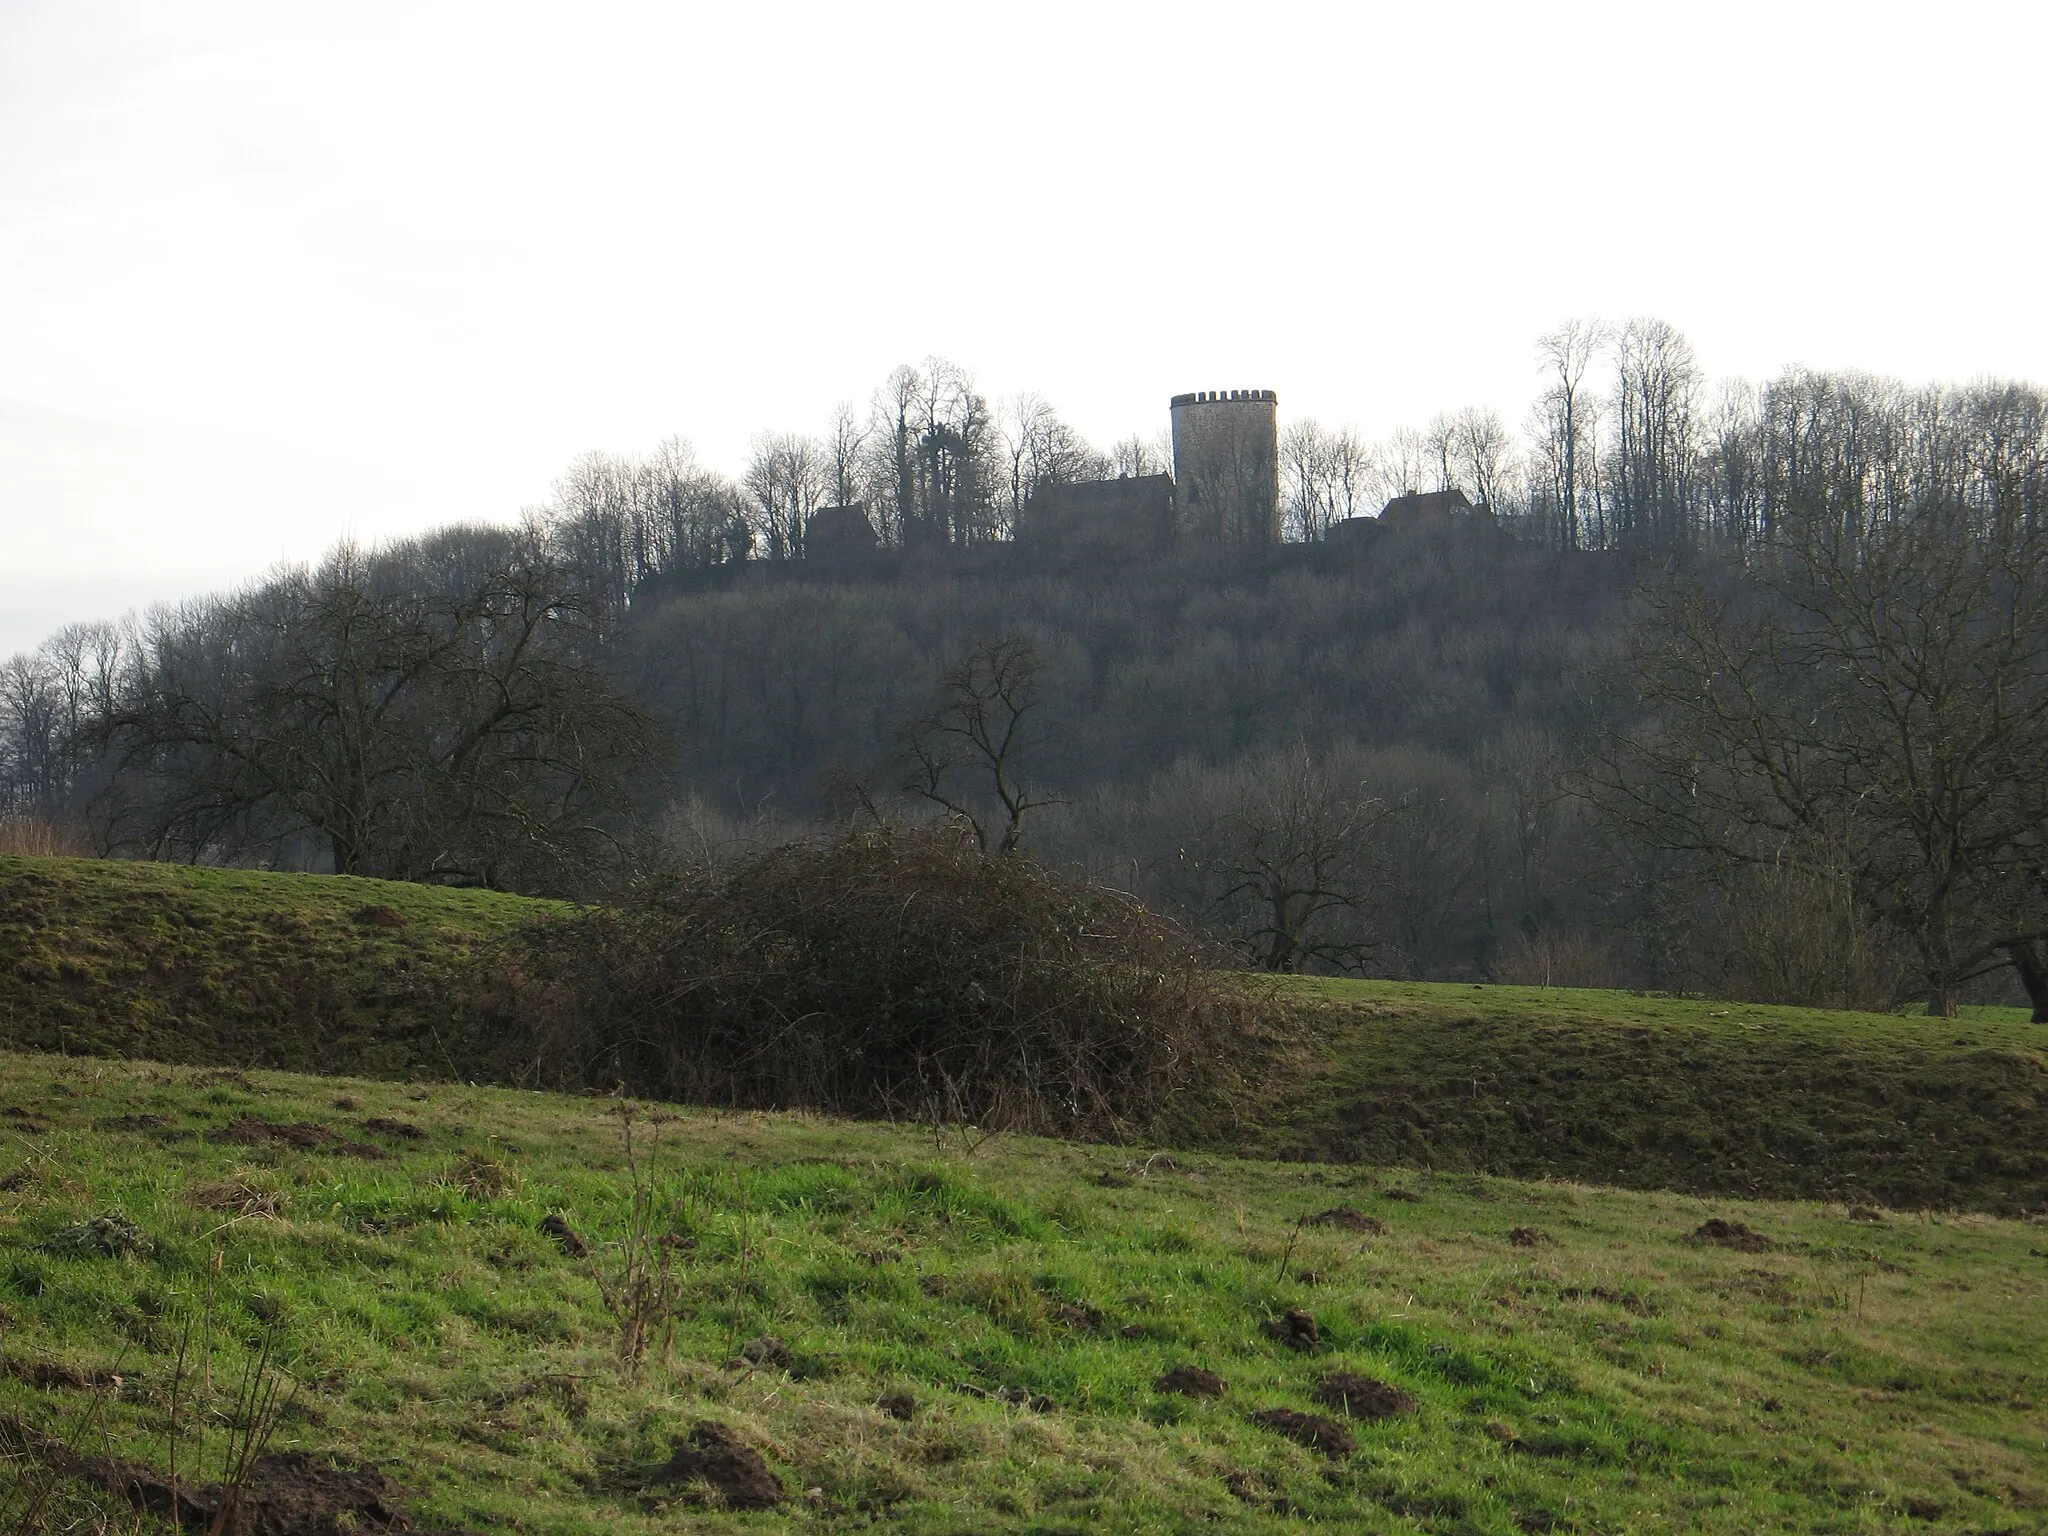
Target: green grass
<point>1658,1092</point>
<point>230,967</point>
<point>234,967</point>
<point>1860,1375</point>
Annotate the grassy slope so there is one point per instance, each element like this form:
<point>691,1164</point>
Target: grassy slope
<point>1654,1092</point>
<point>240,968</point>
<point>1857,1377</point>
<point>232,966</point>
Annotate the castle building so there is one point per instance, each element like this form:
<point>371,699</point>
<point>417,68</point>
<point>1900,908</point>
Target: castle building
<point>1224,489</point>
<point>1130,515</point>
<point>841,537</point>
<point>1421,508</point>
<point>1226,466</point>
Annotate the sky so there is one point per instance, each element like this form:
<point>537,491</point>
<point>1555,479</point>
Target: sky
<point>272,275</point>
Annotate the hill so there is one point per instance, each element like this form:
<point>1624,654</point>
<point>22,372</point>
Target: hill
<point>948,1333</point>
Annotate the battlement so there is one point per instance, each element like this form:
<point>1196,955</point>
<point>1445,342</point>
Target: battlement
<point>1211,396</point>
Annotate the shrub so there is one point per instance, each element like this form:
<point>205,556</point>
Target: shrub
<point>885,971</point>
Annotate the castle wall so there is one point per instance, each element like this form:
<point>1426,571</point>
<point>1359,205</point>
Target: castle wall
<point>1126,516</point>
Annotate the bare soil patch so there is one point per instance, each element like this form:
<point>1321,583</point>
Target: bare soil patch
<point>1345,1219</point>
<point>1729,1234</point>
<point>718,1458</point>
<point>1310,1429</point>
<point>1362,1397</point>
<point>1190,1381</point>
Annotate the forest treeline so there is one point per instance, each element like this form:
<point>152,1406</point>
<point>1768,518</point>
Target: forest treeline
<point>1624,723</point>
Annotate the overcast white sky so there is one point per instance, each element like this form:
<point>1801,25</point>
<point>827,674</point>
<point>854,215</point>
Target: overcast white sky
<point>275,272</point>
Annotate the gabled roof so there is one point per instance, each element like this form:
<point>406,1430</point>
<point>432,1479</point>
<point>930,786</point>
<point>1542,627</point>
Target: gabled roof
<point>1426,504</point>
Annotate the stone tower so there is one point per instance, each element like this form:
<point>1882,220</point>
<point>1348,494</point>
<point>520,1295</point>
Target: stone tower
<point>1226,466</point>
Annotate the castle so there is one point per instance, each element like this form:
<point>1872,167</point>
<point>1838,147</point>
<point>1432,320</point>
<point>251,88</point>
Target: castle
<point>1224,488</point>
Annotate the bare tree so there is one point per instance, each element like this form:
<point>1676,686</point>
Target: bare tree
<point>1404,461</point>
<point>1136,455</point>
<point>51,699</point>
<point>1040,450</point>
<point>1567,425</point>
<point>1440,445</point>
<point>933,436</point>
<point>1281,852</point>
<point>1325,477</point>
<point>968,755</point>
<point>1484,455</point>
<point>846,453</point>
<point>1655,458</point>
<point>426,712</point>
<point>1880,692</point>
<point>788,477</point>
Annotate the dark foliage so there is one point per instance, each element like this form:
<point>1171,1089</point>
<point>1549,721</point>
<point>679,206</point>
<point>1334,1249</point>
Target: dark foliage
<point>884,971</point>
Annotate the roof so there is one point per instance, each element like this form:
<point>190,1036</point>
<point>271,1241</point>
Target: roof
<point>1424,504</point>
<point>842,525</point>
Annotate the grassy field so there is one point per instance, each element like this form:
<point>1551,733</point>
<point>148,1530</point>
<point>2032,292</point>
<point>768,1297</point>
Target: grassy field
<point>1662,1093</point>
<point>234,967</point>
<point>240,968</point>
<point>860,1302</point>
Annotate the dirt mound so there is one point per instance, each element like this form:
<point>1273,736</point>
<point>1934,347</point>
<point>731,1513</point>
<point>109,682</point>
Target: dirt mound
<point>1728,1234</point>
<point>1345,1219</point>
<point>1297,1330</point>
<point>253,1131</point>
<point>1075,1319</point>
<point>378,916</point>
<point>288,1493</point>
<point>1530,1237</point>
<point>1362,1397</point>
<point>563,1236</point>
<point>54,1374</point>
<point>734,1470</point>
<point>1190,1381</point>
<point>1309,1429</point>
<point>403,1130</point>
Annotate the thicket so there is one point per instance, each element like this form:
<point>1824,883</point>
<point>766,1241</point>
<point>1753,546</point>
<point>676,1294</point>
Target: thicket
<point>885,971</point>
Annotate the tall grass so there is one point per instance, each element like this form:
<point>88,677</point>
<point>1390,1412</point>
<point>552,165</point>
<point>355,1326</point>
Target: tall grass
<point>39,837</point>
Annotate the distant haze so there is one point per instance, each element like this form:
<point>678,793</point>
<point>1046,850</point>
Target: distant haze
<point>271,274</point>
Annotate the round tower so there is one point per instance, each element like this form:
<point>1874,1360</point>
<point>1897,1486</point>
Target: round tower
<point>1226,466</point>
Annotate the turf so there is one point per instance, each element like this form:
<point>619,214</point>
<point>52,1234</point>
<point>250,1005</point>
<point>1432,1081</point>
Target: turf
<point>1593,1371</point>
<point>1664,1093</point>
<point>234,967</point>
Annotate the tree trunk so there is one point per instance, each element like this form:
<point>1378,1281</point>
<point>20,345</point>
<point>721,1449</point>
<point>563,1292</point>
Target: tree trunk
<point>2033,971</point>
<point>1946,999</point>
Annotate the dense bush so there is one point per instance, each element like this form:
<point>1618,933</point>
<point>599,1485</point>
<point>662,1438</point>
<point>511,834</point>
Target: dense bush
<point>885,971</point>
